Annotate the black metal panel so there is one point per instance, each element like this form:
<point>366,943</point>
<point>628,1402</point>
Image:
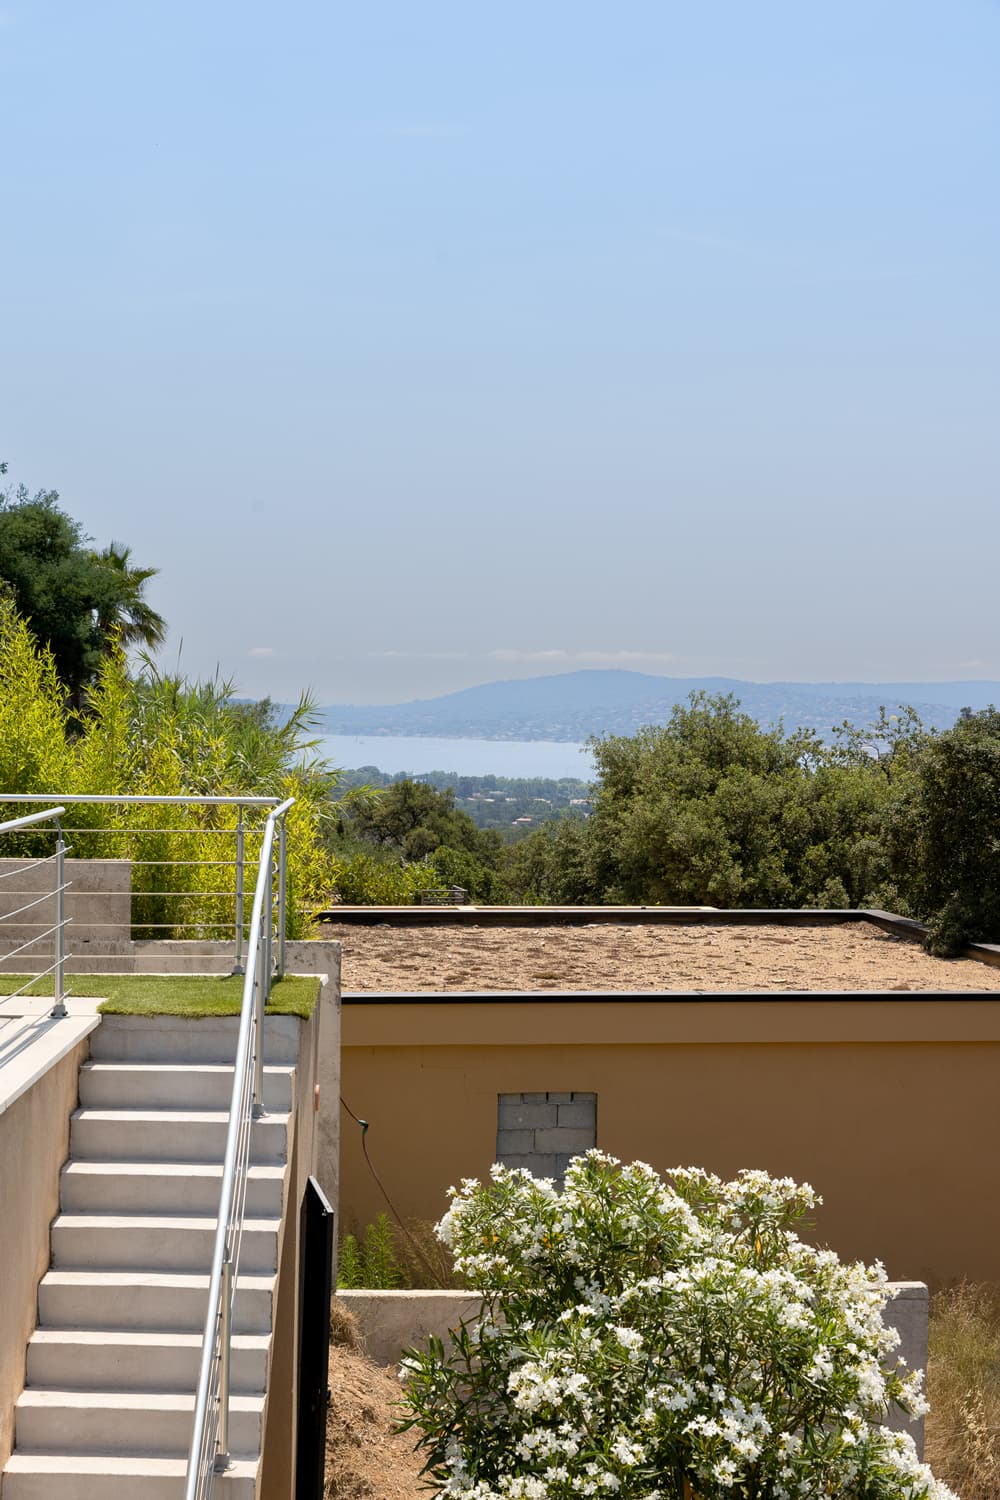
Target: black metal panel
<point>316,1227</point>
<point>611,998</point>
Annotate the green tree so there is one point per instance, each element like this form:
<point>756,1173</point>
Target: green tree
<point>942,839</point>
<point>128,619</point>
<point>415,819</point>
<point>710,809</point>
<point>557,864</point>
<point>70,596</point>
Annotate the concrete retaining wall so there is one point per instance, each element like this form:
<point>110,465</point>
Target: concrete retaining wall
<point>34,1141</point>
<point>98,902</point>
<point>391,1322</point>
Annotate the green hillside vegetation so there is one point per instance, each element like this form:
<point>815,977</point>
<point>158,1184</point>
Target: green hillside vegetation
<point>711,810</point>
<point>408,838</point>
<point>511,804</point>
<point>152,735</point>
<point>707,808</point>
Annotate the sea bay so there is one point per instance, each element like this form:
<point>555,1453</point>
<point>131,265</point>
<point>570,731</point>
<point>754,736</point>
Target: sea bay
<point>418,754</point>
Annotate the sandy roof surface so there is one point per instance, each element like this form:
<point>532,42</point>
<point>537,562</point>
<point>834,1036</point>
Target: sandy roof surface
<point>855,956</point>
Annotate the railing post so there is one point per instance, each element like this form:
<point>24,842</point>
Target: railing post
<point>268,924</point>
<point>238,964</point>
<point>260,996</point>
<point>222,1441</point>
<point>58,987</point>
<point>282,895</point>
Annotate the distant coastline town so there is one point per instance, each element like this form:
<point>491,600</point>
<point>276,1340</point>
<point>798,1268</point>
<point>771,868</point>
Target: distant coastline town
<point>573,706</point>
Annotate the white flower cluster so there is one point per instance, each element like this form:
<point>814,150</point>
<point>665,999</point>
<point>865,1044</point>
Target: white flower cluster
<point>644,1336</point>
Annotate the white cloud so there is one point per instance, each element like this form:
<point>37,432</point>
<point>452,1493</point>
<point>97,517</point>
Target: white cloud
<point>516,654</point>
<point>420,655</point>
<point>591,658</point>
<point>504,654</point>
<point>262,651</point>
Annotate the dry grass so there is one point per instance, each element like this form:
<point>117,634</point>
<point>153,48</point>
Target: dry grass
<point>345,1331</point>
<point>366,1458</point>
<point>424,1260</point>
<point>963,1386</point>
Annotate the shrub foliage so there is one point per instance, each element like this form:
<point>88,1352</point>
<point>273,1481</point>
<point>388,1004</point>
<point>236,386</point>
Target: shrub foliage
<point>155,735</point>
<point>660,1340</point>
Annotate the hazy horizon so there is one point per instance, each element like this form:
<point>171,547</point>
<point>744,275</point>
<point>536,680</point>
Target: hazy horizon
<point>423,346</point>
<point>675,677</point>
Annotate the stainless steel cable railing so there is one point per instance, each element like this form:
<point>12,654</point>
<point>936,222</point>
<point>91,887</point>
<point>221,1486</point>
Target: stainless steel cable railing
<point>55,894</point>
<point>209,1452</point>
<point>188,878</point>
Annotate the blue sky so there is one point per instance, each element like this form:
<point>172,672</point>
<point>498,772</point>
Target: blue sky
<point>420,345</point>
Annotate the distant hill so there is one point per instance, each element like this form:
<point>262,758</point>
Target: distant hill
<point>574,705</point>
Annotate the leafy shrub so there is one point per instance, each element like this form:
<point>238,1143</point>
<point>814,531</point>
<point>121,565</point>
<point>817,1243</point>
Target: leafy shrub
<point>941,838</point>
<point>365,879</point>
<point>378,1255</point>
<point>389,1256</point>
<point>156,735</point>
<point>350,1268</point>
<point>660,1339</point>
<point>458,867</point>
<point>371,1263</point>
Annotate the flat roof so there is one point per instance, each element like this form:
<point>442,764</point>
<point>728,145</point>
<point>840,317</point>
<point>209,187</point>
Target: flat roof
<point>704,957</point>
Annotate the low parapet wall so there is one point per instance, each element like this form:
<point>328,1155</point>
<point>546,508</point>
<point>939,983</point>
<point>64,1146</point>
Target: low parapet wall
<point>391,1322</point>
<point>98,902</point>
<point>39,1066</point>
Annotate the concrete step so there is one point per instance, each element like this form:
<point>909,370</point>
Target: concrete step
<point>110,1085</point>
<point>134,1300</point>
<point>179,1039</point>
<point>165,1242</point>
<point>125,1422</point>
<point>57,1476</point>
<point>162,1187</point>
<point>92,1359</point>
<point>177,1135</point>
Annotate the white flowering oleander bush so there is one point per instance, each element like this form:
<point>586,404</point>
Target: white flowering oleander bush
<point>660,1339</point>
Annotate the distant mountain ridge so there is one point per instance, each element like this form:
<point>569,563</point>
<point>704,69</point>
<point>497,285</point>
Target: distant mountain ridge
<point>572,706</point>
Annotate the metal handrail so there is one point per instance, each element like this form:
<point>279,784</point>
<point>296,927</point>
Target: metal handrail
<point>58,930</point>
<point>134,800</point>
<point>209,1451</point>
<point>240,833</point>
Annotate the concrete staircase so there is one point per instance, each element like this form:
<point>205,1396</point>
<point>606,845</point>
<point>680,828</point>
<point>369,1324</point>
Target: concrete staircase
<point>112,1367</point>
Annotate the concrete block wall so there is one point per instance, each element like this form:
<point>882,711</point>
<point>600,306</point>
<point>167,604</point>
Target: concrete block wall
<point>98,902</point>
<point>543,1131</point>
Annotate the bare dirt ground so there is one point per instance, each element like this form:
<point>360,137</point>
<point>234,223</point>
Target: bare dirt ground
<point>366,1459</point>
<point>856,956</point>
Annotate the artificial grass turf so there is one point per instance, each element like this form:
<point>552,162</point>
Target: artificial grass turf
<point>177,994</point>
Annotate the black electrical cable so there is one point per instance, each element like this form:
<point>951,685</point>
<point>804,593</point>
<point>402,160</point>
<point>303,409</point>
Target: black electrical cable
<point>435,1278</point>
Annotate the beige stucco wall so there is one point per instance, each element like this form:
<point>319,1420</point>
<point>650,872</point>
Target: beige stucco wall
<point>278,1463</point>
<point>34,1142</point>
<point>317,1067</point>
<point>890,1109</point>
